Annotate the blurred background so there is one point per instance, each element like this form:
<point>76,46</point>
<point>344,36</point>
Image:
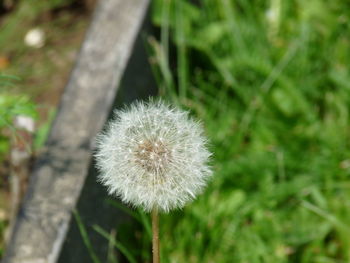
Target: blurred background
<point>269,79</point>
<point>39,42</point>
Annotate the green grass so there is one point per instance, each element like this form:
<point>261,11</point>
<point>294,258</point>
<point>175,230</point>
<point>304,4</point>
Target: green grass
<point>274,96</point>
<point>273,93</point>
<point>270,81</point>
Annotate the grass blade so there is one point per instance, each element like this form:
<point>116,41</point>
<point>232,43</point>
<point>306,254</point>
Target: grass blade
<point>85,237</point>
<point>117,244</point>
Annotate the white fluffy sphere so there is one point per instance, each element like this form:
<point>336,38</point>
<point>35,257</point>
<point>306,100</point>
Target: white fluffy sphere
<point>153,156</point>
<point>35,38</point>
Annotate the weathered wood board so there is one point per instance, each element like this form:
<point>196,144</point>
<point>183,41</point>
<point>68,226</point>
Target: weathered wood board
<point>111,56</point>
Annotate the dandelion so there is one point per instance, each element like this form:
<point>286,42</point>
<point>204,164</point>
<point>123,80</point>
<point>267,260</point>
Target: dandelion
<point>35,38</point>
<point>153,156</point>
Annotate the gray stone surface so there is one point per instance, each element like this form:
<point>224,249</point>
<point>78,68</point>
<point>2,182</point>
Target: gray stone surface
<point>44,220</point>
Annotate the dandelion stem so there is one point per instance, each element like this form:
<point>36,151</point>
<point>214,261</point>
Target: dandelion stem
<point>155,237</point>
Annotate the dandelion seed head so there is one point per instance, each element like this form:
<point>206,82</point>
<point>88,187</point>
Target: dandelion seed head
<point>153,155</point>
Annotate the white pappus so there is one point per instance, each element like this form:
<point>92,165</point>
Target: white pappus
<point>153,156</point>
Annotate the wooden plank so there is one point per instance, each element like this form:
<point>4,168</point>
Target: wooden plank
<point>60,172</point>
<point>93,206</point>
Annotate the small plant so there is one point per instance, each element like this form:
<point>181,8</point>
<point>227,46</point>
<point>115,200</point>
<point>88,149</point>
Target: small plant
<point>15,111</point>
<point>10,107</point>
<point>153,156</point>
